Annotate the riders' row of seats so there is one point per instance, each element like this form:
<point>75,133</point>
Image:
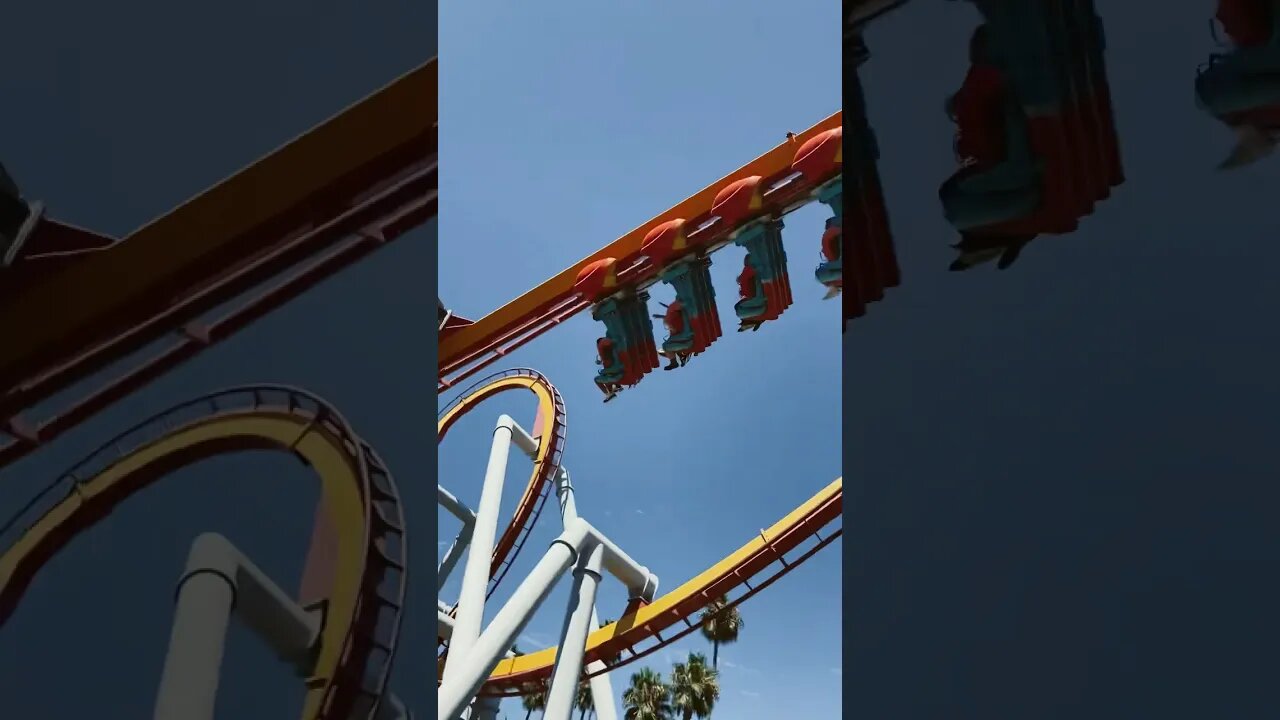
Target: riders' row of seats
<point>742,212</point>
<point>1036,135</point>
<point>875,261</point>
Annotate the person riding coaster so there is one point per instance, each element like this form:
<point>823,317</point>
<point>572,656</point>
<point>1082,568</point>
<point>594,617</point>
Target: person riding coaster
<point>830,271</point>
<point>1240,89</point>
<point>678,347</point>
<point>978,249</point>
<point>990,183</point>
<point>752,301</point>
<point>609,379</point>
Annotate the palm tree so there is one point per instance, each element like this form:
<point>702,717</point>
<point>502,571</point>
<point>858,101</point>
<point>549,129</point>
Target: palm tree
<point>647,698</point>
<point>533,696</point>
<point>584,701</point>
<point>721,625</point>
<point>694,687</point>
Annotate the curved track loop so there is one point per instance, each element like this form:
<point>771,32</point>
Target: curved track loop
<point>616,644</point>
<point>639,625</point>
<point>552,426</point>
<point>363,610</point>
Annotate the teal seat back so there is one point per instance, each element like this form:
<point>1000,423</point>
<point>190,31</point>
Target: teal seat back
<point>1019,42</point>
<point>613,314</point>
<point>830,195</point>
<point>763,243</point>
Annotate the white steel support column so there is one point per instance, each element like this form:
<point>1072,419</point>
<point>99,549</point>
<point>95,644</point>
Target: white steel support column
<point>601,685</point>
<point>453,555</point>
<point>475,578</point>
<point>459,688</point>
<point>449,502</point>
<point>189,681</point>
<point>573,635</point>
<point>219,579</point>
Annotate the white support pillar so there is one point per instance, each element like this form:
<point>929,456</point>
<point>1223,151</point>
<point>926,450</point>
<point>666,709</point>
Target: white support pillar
<point>475,578</point>
<point>573,636</point>
<point>219,579</point>
<point>601,685</point>
<point>189,682</point>
<point>470,670</point>
<point>453,555</point>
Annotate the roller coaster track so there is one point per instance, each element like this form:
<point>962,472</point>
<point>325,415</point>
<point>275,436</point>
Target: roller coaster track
<point>641,629</point>
<point>552,427</point>
<point>615,645</point>
<point>362,611</point>
<point>475,345</point>
<point>213,265</point>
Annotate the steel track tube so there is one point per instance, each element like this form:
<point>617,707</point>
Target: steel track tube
<point>601,685</point>
<point>460,688</point>
<point>573,635</point>
<point>475,578</point>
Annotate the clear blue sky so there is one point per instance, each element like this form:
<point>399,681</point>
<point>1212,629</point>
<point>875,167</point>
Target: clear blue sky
<point>565,127</point>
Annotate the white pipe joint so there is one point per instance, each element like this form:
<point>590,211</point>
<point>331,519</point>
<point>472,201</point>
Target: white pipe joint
<point>462,686</point>
<point>291,631</point>
<point>639,580</point>
<point>520,437</point>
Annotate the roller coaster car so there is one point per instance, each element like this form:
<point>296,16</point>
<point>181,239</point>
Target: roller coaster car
<point>830,272</point>
<point>1243,86</point>
<point>764,286</point>
<point>1069,29</point>
<point>627,351</point>
<point>696,298</point>
<point>690,276</point>
<point>630,334</point>
<point>1009,192</point>
<point>677,347</point>
<point>1086,26</point>
<point>874,261</point>
<point>1029,42</point>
